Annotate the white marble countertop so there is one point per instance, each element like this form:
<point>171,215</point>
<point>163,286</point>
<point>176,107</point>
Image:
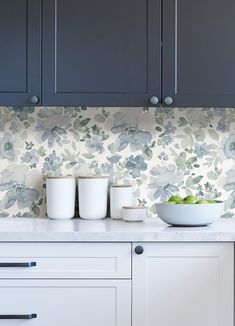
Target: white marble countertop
<point>108,230</point>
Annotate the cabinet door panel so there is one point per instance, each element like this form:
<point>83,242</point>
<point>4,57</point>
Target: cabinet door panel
<point>183,284</point>
<point>20,51</point>
<point>103,52</point>
<point>62,303</point>
<point>199,52</point>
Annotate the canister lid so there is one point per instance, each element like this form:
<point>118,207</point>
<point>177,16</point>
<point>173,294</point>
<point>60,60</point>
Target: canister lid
<point>93,177</point>
<point>134,207</point>
<point>60,177</point>
<point>121,186</point>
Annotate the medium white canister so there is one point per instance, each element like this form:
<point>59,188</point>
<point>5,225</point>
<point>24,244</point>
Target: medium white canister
<point>120,195</point>
<point>92,197</point>
<point>60,193</point>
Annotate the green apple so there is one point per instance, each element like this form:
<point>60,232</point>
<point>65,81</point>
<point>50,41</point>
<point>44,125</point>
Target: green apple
<point>211,201</point>
<point>180,202</point>
<point>176,199</point>
<point>189,202</point>
<point>169,202</point>
<point>202,201</point>
<point>190,199</point>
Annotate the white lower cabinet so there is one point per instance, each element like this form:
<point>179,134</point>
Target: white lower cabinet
<point>65,303</point>
<point>173,284</point>
<point>183,284</point>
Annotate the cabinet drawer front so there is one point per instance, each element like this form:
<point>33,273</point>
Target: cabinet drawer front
<point>60,303</point>
<point>65,260</point>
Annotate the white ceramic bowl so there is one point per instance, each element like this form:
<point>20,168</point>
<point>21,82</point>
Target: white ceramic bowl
<point>133,213</point>
<point>190,214</point>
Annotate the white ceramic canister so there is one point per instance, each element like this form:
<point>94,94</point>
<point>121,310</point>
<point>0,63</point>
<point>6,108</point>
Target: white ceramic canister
<point>120,195</point>
<point>60,193</point>
<point>133,213</point>
<point>92,197</point>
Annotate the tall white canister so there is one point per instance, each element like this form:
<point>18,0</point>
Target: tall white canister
<point>120,195</point>
<point>92,197</point>
<point>60,193</point>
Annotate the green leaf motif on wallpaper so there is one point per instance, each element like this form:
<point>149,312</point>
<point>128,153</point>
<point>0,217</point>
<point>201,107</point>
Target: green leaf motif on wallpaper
<point>212,175</point>
<point>111,148</point>
<point>187,141</point>
<point>199,135</point>
<point>192,182</point>
<point>197,179</point>
<point>41,151</point>
<point>180,160</point>
<point>182,122</point>
<point>34,209</point>
<point>147,152</point>
<point>80,124</point>
<point>187,131</point>
<point>76,136</point>
<point>88,156</point>
<point>190,162</point>
<point>101,117</point>
<point>74,146</point>
<point>213,134</point>
<point>158,129</point>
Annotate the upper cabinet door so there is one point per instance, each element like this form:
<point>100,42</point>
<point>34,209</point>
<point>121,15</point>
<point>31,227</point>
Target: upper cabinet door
<point>20,52</point>
<point>101,53</point>
<point>199,53</point>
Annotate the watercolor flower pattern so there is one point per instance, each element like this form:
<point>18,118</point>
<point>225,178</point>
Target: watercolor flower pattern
<point>160,151</point>
<point>7,150</point>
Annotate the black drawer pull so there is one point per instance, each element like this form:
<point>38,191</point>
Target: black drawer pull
<point>29,316</point>
<point>30,264</point>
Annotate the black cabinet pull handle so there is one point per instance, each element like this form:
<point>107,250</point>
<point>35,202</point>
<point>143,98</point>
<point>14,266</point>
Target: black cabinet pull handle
<point>139,250</point>
<point>29,264</point>
<point>29,316</point>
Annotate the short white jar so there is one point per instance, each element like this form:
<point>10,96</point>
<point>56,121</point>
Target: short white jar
<point>60,193</point>
<point>92,197</point>
<point>120,195</point>
<point>134,213</point>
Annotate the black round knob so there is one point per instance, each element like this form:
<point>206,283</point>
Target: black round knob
<point>139,250</point>
<point>34,99</point>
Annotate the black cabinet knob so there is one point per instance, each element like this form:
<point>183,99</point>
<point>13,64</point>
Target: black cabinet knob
<point>34,99</point>
<point>139,250</point>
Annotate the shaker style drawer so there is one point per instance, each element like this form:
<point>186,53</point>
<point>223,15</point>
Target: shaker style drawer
<point>65,260</point>
<point>65,302</point>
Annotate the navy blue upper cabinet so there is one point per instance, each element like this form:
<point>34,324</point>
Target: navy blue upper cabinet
<point>199,53</point>
<point>101,52</point>
<point>117,53</point>
<point>20,78</point>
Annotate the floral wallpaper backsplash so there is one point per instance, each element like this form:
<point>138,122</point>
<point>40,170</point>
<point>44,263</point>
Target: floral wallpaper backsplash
<point>160,151</point>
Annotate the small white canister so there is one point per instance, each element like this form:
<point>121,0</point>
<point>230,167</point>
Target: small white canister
<point>60,193</point>
<point>92,197</point>
<point>120,195</point>
<point>134,213</point>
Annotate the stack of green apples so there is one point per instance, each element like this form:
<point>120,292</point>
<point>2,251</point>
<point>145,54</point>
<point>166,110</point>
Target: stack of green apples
<point>188,200</point>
